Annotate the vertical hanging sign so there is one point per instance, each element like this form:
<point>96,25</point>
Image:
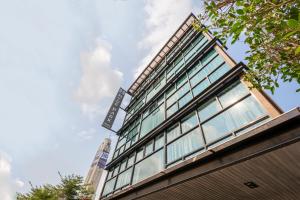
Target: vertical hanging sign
<point>113,110</point>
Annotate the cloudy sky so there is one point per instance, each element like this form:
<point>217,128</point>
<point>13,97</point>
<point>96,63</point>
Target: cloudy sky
<point>61,63</point>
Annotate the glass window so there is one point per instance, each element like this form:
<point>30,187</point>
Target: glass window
<point>208,109</point>
<point>235,117</point>
<point>116,153</point>
<point>139,155</point>
<point>199,46</point>
<point>123,165</point>
<point>200,87</point>
<point>124,178</point>
<point>159,141</point>
<point>172,99</point>
<point>194,69</point>
<point>170,91</point>
<point>218,73</point>
<point>181,81</point>
<point>156,87</point>
<point>109,186</point>
<point>216,62</point>
<point>149,148</point>
<point>121,142</point>
<point>208,57</point>
<point>116,170</point>
<point>189,123</point>
<point>130,160</point>
<point>173,133</point>
<point>183,90</point>
<point>172,109</point>
<point>109,174</point>
<point>127,145</point>
<point>134,139</point>
<point>197,78</point>
<point>153,120</point>
<point>178,64</point>
<point>148,167</point>
<point>184,100</point>
<point>184,145</point>
<point>233,94</point>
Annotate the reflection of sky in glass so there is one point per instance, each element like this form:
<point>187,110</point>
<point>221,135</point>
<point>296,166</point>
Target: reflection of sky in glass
<point>148,167</point>
<point>240,114</point>
<point>233,94</point>
<point>189,123</point>
<point>184,145</point>
<point>208,109</point>
<point>173,133</point>
<point>124,178</point>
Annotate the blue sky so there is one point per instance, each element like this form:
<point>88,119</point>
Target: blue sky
<point>61,63</point>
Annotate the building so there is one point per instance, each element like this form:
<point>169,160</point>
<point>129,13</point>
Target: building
<point>97,167</point>
<point>194,130</point>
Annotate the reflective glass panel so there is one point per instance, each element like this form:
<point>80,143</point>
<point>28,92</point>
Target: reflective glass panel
<point>218,73</point>
<point>159,141</point>
<point>233,94</point>
<point>173,133</point>
<point>149,148</point>
<point>208,109</point>
<point>124,178</point>
<point>235,117</point>
<point>109,186</point>
<point>149,166</point>
<point>184,145</point>
<point>200,87</point>
<point>189,123</point>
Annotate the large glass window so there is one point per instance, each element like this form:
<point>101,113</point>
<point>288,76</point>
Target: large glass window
<point>123,165</point>
<point>189,123</point>
<point>199,76</point>
<point>232,119</point>
<point>185,99</point>
<point>159,141</point>
<point>232,94</point>
<point>124,178</point>
<point>156,87</point>
<point>153,120</point>
<point>130,160</point>
<point>149,148</point>
<point>139,154</point>
<point>173,133</point>
<point>216,62</point>
<point>186,144</point>
<point>218,73</point>
<point>200,87</point>
<point>209,109</point>
<point>148,167</point>
<point>172,109</point>
<point>109,186</point>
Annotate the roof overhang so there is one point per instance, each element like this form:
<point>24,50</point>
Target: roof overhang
<point>161,54</point>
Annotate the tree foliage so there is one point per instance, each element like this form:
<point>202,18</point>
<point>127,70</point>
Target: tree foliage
<point>71,187</point>
<point>271,29</point>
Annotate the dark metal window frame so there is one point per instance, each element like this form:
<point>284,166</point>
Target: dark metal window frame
<point>208,45</point>
<point>199,125</point>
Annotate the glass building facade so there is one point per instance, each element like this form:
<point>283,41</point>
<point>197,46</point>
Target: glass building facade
<point>158,132</point>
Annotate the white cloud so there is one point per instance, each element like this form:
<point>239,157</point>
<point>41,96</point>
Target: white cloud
<point>8,186</point>
<point>87,134</point>
<point>99,79</point>
<point>163,18</point>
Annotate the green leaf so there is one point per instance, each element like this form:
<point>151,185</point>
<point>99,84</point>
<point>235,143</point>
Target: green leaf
<point>292,23</point>
<point>297,51</point>
<point>298,90</point>
<point>240,11</point>
<point>289,34</point>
